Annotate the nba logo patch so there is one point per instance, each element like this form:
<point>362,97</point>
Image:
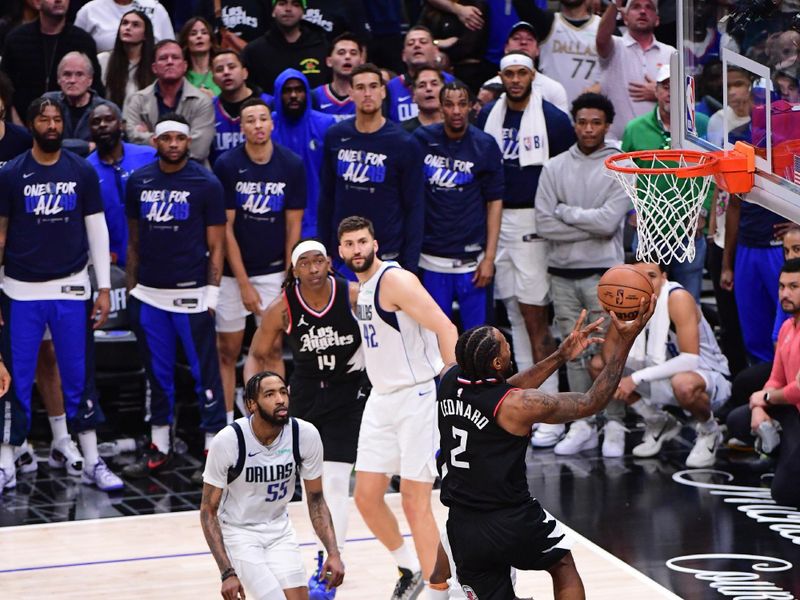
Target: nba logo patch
<point>527,143</point>
<point>469,592</point>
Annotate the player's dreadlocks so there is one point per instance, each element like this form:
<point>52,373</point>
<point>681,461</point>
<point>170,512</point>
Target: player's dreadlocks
<point>475,350</point>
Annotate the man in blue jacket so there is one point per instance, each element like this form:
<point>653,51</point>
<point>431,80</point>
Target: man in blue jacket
<point>301,129</point>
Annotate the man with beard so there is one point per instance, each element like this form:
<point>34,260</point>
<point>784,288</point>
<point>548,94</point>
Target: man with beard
<point>334,98</point>
<point>427,85</point>
<point>329,386</point>
<point>252,469</point>
<point>231,77</point>
<point>265,194</point>
<point>51,223</point>
<point>176,237</point>
<point>463,194</point>
<point>397,318</point>
<point>418,51</point>
<point>302,130</point>
<point>629,64</point>
<point>290,43</point>
<point>529,130</point>
<point>114,161</point>
<point>373,168</point>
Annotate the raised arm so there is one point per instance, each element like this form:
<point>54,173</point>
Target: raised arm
<point>274,321</point>
<point>522,408</point>
<point>605,30</point>
<point>323,527</point>
<point>405,292</point>
<point>231,586</point>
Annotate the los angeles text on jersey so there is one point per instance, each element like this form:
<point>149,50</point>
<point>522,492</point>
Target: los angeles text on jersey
<point>319,339</point>
<point>161,206</point>
<point>460,408</point>
<point>51,198</point>
<point>358,166</point>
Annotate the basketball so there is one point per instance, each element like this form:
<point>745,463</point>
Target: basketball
<point>621,290</point>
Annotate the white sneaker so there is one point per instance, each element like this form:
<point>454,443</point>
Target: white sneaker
<point>65,454</point>
<point>101,476</point>
<point>581,436</point>
<point>655,434</point>
<point>547,435</point>
<point>704,453</point>
<point>25,459</point>
<point>8,481</point>
<point>613,439</point>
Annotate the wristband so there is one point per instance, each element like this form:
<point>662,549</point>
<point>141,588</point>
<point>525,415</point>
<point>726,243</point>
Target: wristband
<point>229,572</point>
<point>212,296</point>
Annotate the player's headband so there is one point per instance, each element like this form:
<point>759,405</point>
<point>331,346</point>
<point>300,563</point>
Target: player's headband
<point>174,126</point>
<point>307,246</point>
<point>516,60</point>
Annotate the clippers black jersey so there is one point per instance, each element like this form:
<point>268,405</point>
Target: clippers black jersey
<point>482,465</point>
<point>326,345</point>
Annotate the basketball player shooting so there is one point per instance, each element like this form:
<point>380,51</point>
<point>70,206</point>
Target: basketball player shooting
<point>400,326</point>
<point>484,423</point>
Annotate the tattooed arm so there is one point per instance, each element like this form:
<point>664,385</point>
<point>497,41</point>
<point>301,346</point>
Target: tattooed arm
<point>274,321</point>
<point>333,568</point>
<point>520,409</point>
<point>231,587</point>
<point>132,255</point>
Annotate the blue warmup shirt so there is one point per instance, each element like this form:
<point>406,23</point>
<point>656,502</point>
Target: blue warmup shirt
<point>113,179</point>
<point>46,206</point>
<point>461,176</point>
<point>327,102</point>
<point>377,176</point>
<point>228,133</point>
<point>16,140</point>
<point>261,195</point>
<point>757,226</point>
<point>173,211</point>
<point>521,182</point>
<point>399,94</point>
<point>303,136</point>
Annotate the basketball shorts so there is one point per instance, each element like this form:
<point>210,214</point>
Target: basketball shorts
<point>335,409</point>
<point>399,433</point>
<point>231,313</point>
<point>486,544</point>
<point>266,557</point>
<point>521,262</point>
<point>660,392</point>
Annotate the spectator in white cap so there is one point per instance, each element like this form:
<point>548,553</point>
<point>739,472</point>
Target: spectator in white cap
<point>529,130</point>
<point>522,38</point>
<point>629,64</point>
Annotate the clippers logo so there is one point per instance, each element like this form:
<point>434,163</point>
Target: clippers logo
<point>261,197</point>
<point>358,166</point>
<point>233,16</point>
<point>163,206</point>
<point>51,198</point>
<point>442,172</point>
<point>469,592</point>
<point>309,66</point>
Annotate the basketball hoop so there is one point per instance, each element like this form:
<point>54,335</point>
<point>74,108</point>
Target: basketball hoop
<point>668,188</point>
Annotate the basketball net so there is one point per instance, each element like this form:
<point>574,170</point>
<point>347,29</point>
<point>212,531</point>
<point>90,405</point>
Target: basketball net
<point>667,209</point>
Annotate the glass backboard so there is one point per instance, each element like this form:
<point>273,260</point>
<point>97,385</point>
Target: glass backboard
<point>739,64</point>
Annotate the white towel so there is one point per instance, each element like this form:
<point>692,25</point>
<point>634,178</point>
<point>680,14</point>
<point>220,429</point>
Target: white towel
<point>533,145</point>
<point>650,346</point>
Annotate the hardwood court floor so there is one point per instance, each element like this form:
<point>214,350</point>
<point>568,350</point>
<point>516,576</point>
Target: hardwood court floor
<point>165,556</point>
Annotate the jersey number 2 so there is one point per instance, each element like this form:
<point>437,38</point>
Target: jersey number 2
<point>461,436</point>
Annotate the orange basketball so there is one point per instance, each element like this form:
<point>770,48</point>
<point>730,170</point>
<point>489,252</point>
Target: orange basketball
<point>621,289</point>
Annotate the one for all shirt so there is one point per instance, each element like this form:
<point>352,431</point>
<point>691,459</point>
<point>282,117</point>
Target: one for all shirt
<point>261,195</point>
<point>173,211</point>
<point>46,206</point>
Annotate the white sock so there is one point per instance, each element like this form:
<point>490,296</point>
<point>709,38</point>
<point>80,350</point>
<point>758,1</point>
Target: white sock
<point>432,594</point>
<point>58,425</point>
<point>159,435</point>
<point>710,425</point>
<point>336,487</point>
<point>209,439</point>
<point>405,558</point>
<point>7,458</point>
<point>88,440</point>
<point>229,417</point>
<point>550,385</point>
<point>647,411</point>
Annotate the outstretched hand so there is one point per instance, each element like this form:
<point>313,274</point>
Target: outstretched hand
<point>628,330</point>
<point>580,338</point>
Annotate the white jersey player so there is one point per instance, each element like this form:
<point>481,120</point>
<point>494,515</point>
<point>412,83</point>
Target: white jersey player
<point>249,479</point>
<point>569,55</point>
<point>401,327</point>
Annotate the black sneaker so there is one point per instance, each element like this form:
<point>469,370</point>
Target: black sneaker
<point>409,586</point>
<point>151,461</point>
